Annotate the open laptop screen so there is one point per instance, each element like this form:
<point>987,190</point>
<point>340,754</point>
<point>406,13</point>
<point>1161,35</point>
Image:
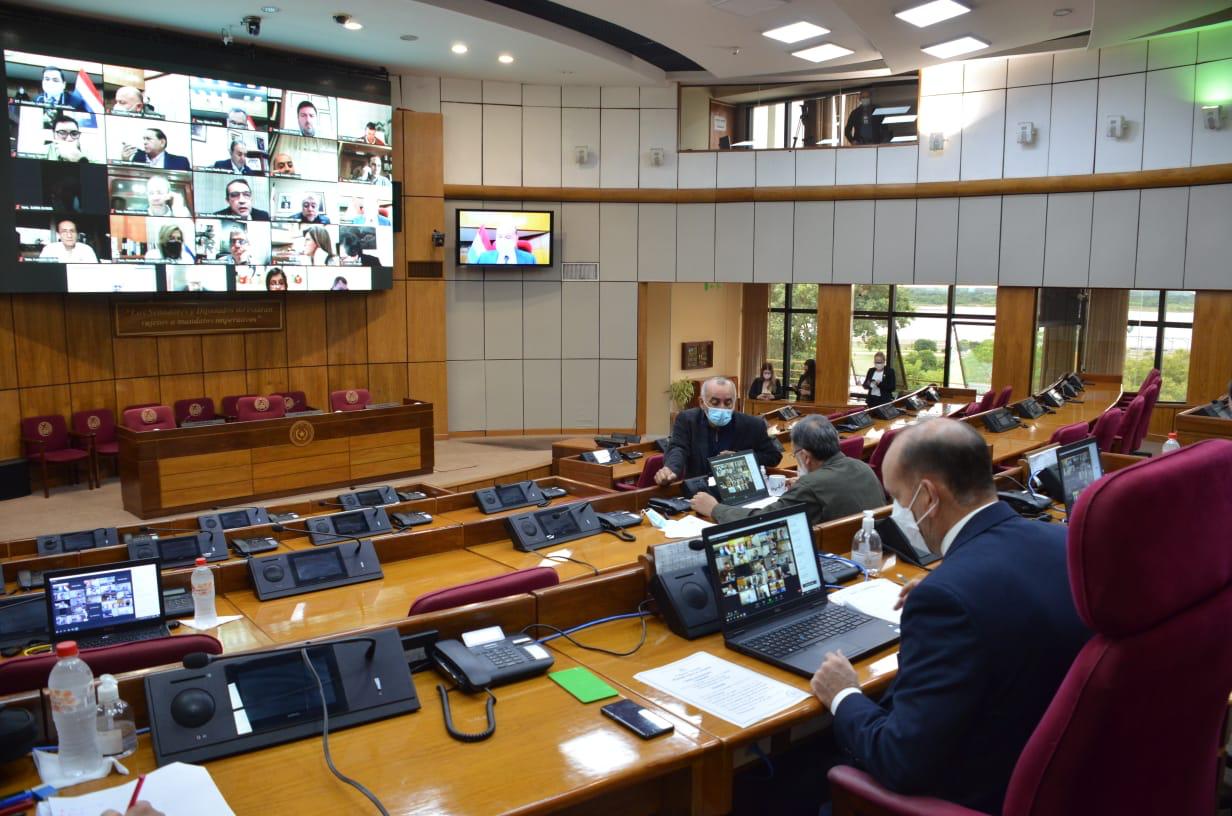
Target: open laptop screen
<point>103,597</point>
<point>762,564</point>
<point>738,478</point>
<point>1079,465</point>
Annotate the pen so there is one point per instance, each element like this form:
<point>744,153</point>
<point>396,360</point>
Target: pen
<point>136,791</point>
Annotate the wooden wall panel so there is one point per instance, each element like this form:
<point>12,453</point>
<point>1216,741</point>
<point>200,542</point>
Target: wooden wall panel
<point>423,164</point>
<point>833,343</point>
<point>425,313</point>
<point>265,349</point>
<point>135,391</point>
<point>49,399</point>
<point>1011,356</point>
<point>387,382</point>
<point>314,382</point>
<point>222,352</point>
<point>305,321</point>
<point>1210,362</point>
<point>421,216</point>
<point>135,356</point>
<point>219,384</point>
<point>38,324</point>
<point>182,386</point>
<point>346,330</point>
<point>87,395</point>
<point>427,382</point>
<point>179,355</point>
<point>88,328</point>
<point>268,380</point>
<point>387,325</point>
<point>343,377</point>
<point>10,431</point>
<point>8,347</point>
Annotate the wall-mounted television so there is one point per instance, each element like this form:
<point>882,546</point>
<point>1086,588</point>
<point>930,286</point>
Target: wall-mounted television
<point>127,176</point>
<point>504,237</point>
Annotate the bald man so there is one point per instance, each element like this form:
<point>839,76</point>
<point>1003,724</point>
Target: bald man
<point>714,428</point>
<point>128,100</point>
<point>987,636</point>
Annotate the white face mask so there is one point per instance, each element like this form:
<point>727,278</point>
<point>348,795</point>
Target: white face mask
<point>908,523</point>
<point>801,468</point>
<point>879,366</point>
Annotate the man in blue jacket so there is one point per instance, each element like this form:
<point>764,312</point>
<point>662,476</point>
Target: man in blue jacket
<point>987,637</point>
<point>713,428</point>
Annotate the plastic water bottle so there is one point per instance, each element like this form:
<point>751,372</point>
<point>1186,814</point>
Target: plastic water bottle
<point>204,611</point>
<point>71,687</point>
<point>1171,443</point>
<point>866,546</point>
<point>117,731</point>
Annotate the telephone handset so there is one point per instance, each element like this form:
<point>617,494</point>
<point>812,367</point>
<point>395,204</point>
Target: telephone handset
<point>1000,420</point>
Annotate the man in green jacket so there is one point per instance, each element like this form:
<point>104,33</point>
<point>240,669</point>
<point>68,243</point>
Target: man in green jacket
<point>830,485</point>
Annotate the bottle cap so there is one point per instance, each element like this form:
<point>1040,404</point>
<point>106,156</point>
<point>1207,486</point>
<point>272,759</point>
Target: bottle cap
<point>200,561</point>
<point>108,689</point>
<point>66,648</point>
<point>1172,434</point>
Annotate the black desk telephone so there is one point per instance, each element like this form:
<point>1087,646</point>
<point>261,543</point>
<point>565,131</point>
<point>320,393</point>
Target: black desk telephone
<point>854,422</point>
<point>915,404</point>
<point>475,668</point>
<point>886,411</point>
<point>1029,408</point>
<point>1000,420</point>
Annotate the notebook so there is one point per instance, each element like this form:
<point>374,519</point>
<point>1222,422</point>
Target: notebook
<point>164,789</point>
<point>106,604</point>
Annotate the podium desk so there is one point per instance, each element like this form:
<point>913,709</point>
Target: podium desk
<point>1192,427</point>
<point>164,472</point>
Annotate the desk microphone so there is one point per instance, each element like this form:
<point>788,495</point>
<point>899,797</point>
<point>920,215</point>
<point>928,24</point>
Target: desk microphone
<point>199,660</point>
<point>282,528</point>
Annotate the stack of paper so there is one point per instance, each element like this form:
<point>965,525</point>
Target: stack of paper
<point>727,690</point>
<point>176,789</point>
<point>875,598</point>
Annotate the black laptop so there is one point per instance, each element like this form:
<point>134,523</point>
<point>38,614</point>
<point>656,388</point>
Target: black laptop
<point>106,604</point>
<point>771,599</point>
<point>1078,464</point>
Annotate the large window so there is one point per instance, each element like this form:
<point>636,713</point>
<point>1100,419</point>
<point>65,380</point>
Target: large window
<point>791,329</point>
<point>1158,335</point>
<point>932,334</point>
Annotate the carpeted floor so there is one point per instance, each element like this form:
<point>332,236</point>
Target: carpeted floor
<point>78,508</point>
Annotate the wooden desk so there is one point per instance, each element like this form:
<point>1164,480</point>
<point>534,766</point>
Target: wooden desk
<point>164,472</point>
<point>605,552</point>
<point>1191,428</point>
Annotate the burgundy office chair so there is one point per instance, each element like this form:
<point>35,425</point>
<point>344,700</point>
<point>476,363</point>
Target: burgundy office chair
<point>487,589</point>
<point>1129,425</point>
<point>1003,399</point>
<point>1099,748</point>
<point>196,409</point>
<point>646,479</point>
<point>1106,427</point>
<point>355,399</point>
<point>149,418</point>
<point>852,446</point>
<point>252,408</point>
<point>229,405</point>
<point>844,412</point>
<point>45,440</point>
<point>1151,396</point>
<point>295,401</point>
<point>879,452</point>
<point>1069,433</point>
<point>1152,376</point>
<point>985,403</point>
<point>20,674</point>
<point>97,426</point>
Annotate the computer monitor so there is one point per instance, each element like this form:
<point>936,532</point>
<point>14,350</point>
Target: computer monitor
<point>738,479</point>
<point>1079,466</point>
<point>103,599</point>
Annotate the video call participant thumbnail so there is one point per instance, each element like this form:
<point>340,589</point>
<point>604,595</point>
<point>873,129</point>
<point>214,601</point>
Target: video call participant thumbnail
<point>55,135</point>
<point>236,105</point>
<point>240,199</point>
<point>232,242</point>
<point>170,240</point>
<point>196,278</point>
<point>307,114</point>
<point>145,93</point>
<point>303,157</point>
<point>68,248</point>
<point>153,151</point>
<point>56,93</point>
<point>56,187</point>
<point>357,246</point>
<point>237,160</point>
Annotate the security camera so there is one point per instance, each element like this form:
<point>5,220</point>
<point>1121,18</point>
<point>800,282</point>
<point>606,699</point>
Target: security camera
<point>253,24</point>
<point>438,238</point>
<point>342,19</point>
<point>227,39</point>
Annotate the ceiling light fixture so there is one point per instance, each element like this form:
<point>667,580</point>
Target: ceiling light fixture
<point>505,59</point>
<point>954,48</point>
<point>270,9</point>
<point>823,52</point>
<point>912,138</point>
<point>796,32</point>
<point>1062,12</point>
<point>899,119</point>
<point>348,22</point>
<point>459,48</point>
<point>932,13</point>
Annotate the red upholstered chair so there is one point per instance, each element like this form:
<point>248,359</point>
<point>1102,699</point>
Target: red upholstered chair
<point>513,583</point>
<point>229,403</point>
<point>1150,396</point>
<point>844,412</point>
<point>295,401</point>
<point>646,479</point>
<point>1106,427</point>
<point>1152,376</point>
<point>97,426</point>
<point>852,446</point>
<point>250,408</point>
<point>1099,748</point>
<point>196,409</point>
<point>354,399</point>
<point>1069,433</point>
<point>879,452</point>
<point>985,403</point>
<point>1003,399</point>
<point>45,440</point>
<point>1129,425</point>
<point>139,405</point>
<point>150,418</point>
<point>29,673</point>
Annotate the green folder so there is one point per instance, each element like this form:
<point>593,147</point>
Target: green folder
<point>583,684</point>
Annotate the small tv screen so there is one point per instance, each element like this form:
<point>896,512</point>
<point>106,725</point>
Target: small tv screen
<point>504,237</point>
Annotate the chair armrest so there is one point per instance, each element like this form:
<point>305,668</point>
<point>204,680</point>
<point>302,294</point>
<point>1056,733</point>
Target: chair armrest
<point>855,792</point>
<point>42,443</point>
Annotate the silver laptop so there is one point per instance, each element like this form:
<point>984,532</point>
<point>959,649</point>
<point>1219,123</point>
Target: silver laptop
<point>738,480</point>
<point>106,604</point>
<point>771,600</point>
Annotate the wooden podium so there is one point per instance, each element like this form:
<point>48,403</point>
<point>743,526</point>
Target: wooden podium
<point>1191,427</point>
<point>163,472</point>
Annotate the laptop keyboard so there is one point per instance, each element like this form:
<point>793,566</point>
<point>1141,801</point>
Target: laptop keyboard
<point>119,637</point>
<point>829,621</point>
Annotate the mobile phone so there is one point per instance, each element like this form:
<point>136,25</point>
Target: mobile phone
<point>641,721</point>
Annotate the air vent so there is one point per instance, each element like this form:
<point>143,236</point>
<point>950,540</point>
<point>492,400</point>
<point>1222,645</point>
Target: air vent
<point>747,8</point>
<point>579,271</point>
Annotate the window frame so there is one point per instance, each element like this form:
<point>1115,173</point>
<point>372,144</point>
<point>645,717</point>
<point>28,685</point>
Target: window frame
<point>1160,324</point>
<point>787,310</point>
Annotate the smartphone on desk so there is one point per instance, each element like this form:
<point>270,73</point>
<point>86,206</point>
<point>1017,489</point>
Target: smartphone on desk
<point>641,721</point>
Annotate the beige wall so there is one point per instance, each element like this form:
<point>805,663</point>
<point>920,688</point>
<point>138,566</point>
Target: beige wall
<point>694,118</point>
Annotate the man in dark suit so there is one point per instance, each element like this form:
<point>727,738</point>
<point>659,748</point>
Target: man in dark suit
<point>987,637</point>
<point>154,152</point>
<point>238,163</point>
<point>830,485</point>
<point>711,429</point>
<point>239,203</point>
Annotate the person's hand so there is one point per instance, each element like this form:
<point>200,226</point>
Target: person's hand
<point>703,503</point>
<point>665,476</point>
<point>726,453</point>
<point>905,591</point>
<point>834,675</point>
<point>791,482</point>
<point>139,809</point>
<point>127,151</point>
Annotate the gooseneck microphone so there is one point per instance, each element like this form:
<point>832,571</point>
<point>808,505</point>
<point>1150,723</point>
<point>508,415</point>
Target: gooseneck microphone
<point>199,660</point>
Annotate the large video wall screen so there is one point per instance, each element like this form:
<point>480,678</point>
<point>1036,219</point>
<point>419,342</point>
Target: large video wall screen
<point>129,179</point>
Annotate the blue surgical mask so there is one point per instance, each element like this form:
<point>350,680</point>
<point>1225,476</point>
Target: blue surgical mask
<point>719,416</point>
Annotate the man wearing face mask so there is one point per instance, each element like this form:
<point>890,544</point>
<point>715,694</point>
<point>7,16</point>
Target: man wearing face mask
<point>987,637</point>
<point>879,381</point>
<point>714,428</point>
<point>829,486</point>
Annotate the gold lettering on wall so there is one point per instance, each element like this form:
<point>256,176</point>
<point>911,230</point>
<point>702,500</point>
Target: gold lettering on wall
<point>197,317</point>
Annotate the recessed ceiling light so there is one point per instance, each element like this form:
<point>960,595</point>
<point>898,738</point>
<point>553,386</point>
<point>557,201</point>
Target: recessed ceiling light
<point>795,32</point>
<point>270,9</point>
<point>459,48</point>
<point>823,52</point>
<point>1062,12</point>
<point>505,59</point>
<point>408,38</point>
<point>897,119</point>
<point>352,25</point>
<point>891,111</point>
<point>930,13</point>
<point>953,48</point>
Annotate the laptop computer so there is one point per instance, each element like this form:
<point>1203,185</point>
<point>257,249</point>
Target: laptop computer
<point>1079,466</point>
<point>738,480</point>
<point>771,600</point>
<point>106,604</point>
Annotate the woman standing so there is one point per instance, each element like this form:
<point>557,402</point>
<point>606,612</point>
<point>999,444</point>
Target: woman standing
<point>879,381</point>
<point>804,386</point>
<point>766,387</point>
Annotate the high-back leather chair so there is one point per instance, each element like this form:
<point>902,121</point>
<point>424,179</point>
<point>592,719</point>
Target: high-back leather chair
<point>353,399</point>
<point>194,409</point>
<point>295,401</point>
<point>149,418</point>
<point>1150,396</point>
<point>45,440</point>
<point>1069,433</point>
<point>97,427</point>
<point>248,409</point>
<point>852,446</point>
<point>513,583</point>
<point>1129,425</point>
<point>879,453</point>
<point>1104,745</point>
<point>20,674</point>
<point>1106,427</point>
<point>1003,399</point>
<point>646,477</point>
